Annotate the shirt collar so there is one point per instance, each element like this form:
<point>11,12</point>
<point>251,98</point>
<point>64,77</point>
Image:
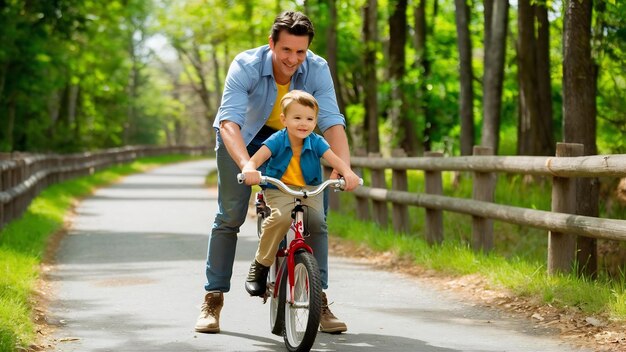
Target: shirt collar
<point>267,64</point>
<point>305,146</point>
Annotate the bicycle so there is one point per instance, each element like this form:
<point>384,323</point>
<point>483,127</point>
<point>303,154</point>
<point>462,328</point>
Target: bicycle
<point>294,312</point>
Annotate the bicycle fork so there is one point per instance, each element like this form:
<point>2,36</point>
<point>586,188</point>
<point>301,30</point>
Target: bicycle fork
<point>295,244</point>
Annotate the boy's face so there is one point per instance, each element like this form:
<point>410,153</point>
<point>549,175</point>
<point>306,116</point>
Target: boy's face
<point>300,120</point>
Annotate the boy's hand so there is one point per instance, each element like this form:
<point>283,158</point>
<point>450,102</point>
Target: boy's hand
<point>253,177</point>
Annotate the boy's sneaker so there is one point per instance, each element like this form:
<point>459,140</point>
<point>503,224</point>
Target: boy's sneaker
<point>257,279</point>
<point>328,321</point>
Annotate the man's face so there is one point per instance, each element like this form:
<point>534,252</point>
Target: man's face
<point>289,52</point>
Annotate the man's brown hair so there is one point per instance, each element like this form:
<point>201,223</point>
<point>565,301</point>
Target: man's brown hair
<point>295,23</point>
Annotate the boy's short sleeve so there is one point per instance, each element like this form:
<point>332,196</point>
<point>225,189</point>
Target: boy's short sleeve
<point>320,145</point>
<point>274,142</point>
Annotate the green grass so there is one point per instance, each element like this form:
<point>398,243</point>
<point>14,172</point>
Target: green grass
<point>522,277</point>
<point>24,240</point>
<point>518,262</point>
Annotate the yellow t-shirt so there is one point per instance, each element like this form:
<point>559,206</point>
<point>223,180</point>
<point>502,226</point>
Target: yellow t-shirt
<point>274,120</point>
<point>293,174</point>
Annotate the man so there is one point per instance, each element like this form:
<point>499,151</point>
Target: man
<point>250,112</point>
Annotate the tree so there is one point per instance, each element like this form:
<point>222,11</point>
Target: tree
<point>422,63</point>
<point>331,52</point>
<point>579,113</point>
<point>370,34</point>
<point>466,106</point>
<point>496,24</point>
<point>535,133</point>
<point>402,127</point>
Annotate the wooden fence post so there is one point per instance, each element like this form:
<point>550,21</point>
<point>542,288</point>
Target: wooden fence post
<point>483,189</point>
<point>362,204</point>
<point>381,214</point>
<point>562,246</point>
<point>434,217</point>
<point>399,182</point>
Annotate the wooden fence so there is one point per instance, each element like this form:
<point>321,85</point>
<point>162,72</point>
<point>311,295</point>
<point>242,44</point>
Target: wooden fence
<point>23,176</point>
<point>561,222</point>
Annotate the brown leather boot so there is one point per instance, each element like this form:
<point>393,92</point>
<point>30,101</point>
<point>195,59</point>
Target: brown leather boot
<point>209,319</point>
<point>328,321</point>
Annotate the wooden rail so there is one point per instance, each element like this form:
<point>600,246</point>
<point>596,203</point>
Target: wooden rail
<point>561,222</point>
<point>23,176</point>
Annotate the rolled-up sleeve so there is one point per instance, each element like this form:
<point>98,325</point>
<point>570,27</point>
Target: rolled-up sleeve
<point>324,92</point>
<point>235,96</point>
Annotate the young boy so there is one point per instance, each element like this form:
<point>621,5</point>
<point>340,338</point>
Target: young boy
<point>294,157</point>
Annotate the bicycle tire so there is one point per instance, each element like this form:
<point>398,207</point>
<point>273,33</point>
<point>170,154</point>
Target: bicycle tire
<point>302,319</point>
<point>277,306</point>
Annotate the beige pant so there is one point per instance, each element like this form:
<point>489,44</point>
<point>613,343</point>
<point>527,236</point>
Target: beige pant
<point>277,224</point>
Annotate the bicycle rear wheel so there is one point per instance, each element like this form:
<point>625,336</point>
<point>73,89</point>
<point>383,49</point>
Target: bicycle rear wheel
<point>302,318</point>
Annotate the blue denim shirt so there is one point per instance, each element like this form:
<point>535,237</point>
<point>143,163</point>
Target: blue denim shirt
<point>312,150</point>
<point>250,91</point>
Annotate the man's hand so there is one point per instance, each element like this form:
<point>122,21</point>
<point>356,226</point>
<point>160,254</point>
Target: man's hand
<point>252,177</point>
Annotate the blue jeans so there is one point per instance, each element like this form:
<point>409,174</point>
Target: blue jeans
<point>232,203</point>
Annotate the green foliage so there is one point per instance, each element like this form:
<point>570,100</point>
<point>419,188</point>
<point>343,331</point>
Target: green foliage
<point>64,73</point>
<point>78,75</point>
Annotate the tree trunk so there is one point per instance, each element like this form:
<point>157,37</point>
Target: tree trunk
<point>3,77</point>
<point>397,38</point>
<point>10,131</point>
<point>401,125</point>
<point>544,89</point>
<point>72,114</point>
<point>331,52</point>
<point>487,18</point>
<point>423,64</point>
<point>535,118</point>
<point>371,86</point>
<point>466,106</point>
<point>579,113</point>
<point>216,75</point>
<point>494,73</point>
<point>527,78</point>
<point>197,78</point>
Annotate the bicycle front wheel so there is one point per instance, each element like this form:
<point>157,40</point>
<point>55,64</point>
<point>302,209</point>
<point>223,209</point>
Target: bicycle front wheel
<point>302,318</point>
<point>277,302</point>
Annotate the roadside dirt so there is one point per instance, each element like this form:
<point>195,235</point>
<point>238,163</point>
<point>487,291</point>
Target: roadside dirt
<point>593,332</point>
<point>45,289</point>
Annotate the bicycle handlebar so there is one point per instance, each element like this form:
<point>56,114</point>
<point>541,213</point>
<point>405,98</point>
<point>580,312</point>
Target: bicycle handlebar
<point>338,183</point>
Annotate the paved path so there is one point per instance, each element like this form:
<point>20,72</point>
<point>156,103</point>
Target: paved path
<point>129,277</point>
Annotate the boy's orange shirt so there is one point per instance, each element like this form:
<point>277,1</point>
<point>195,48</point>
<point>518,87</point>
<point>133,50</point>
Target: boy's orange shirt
<point>293,174</point>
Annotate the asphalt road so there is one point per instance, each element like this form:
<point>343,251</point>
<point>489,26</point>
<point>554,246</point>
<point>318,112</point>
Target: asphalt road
<point>129,277</point>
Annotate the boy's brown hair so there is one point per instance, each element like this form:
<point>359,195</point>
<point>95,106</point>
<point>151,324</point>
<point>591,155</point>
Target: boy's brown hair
<point>301,97</point>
